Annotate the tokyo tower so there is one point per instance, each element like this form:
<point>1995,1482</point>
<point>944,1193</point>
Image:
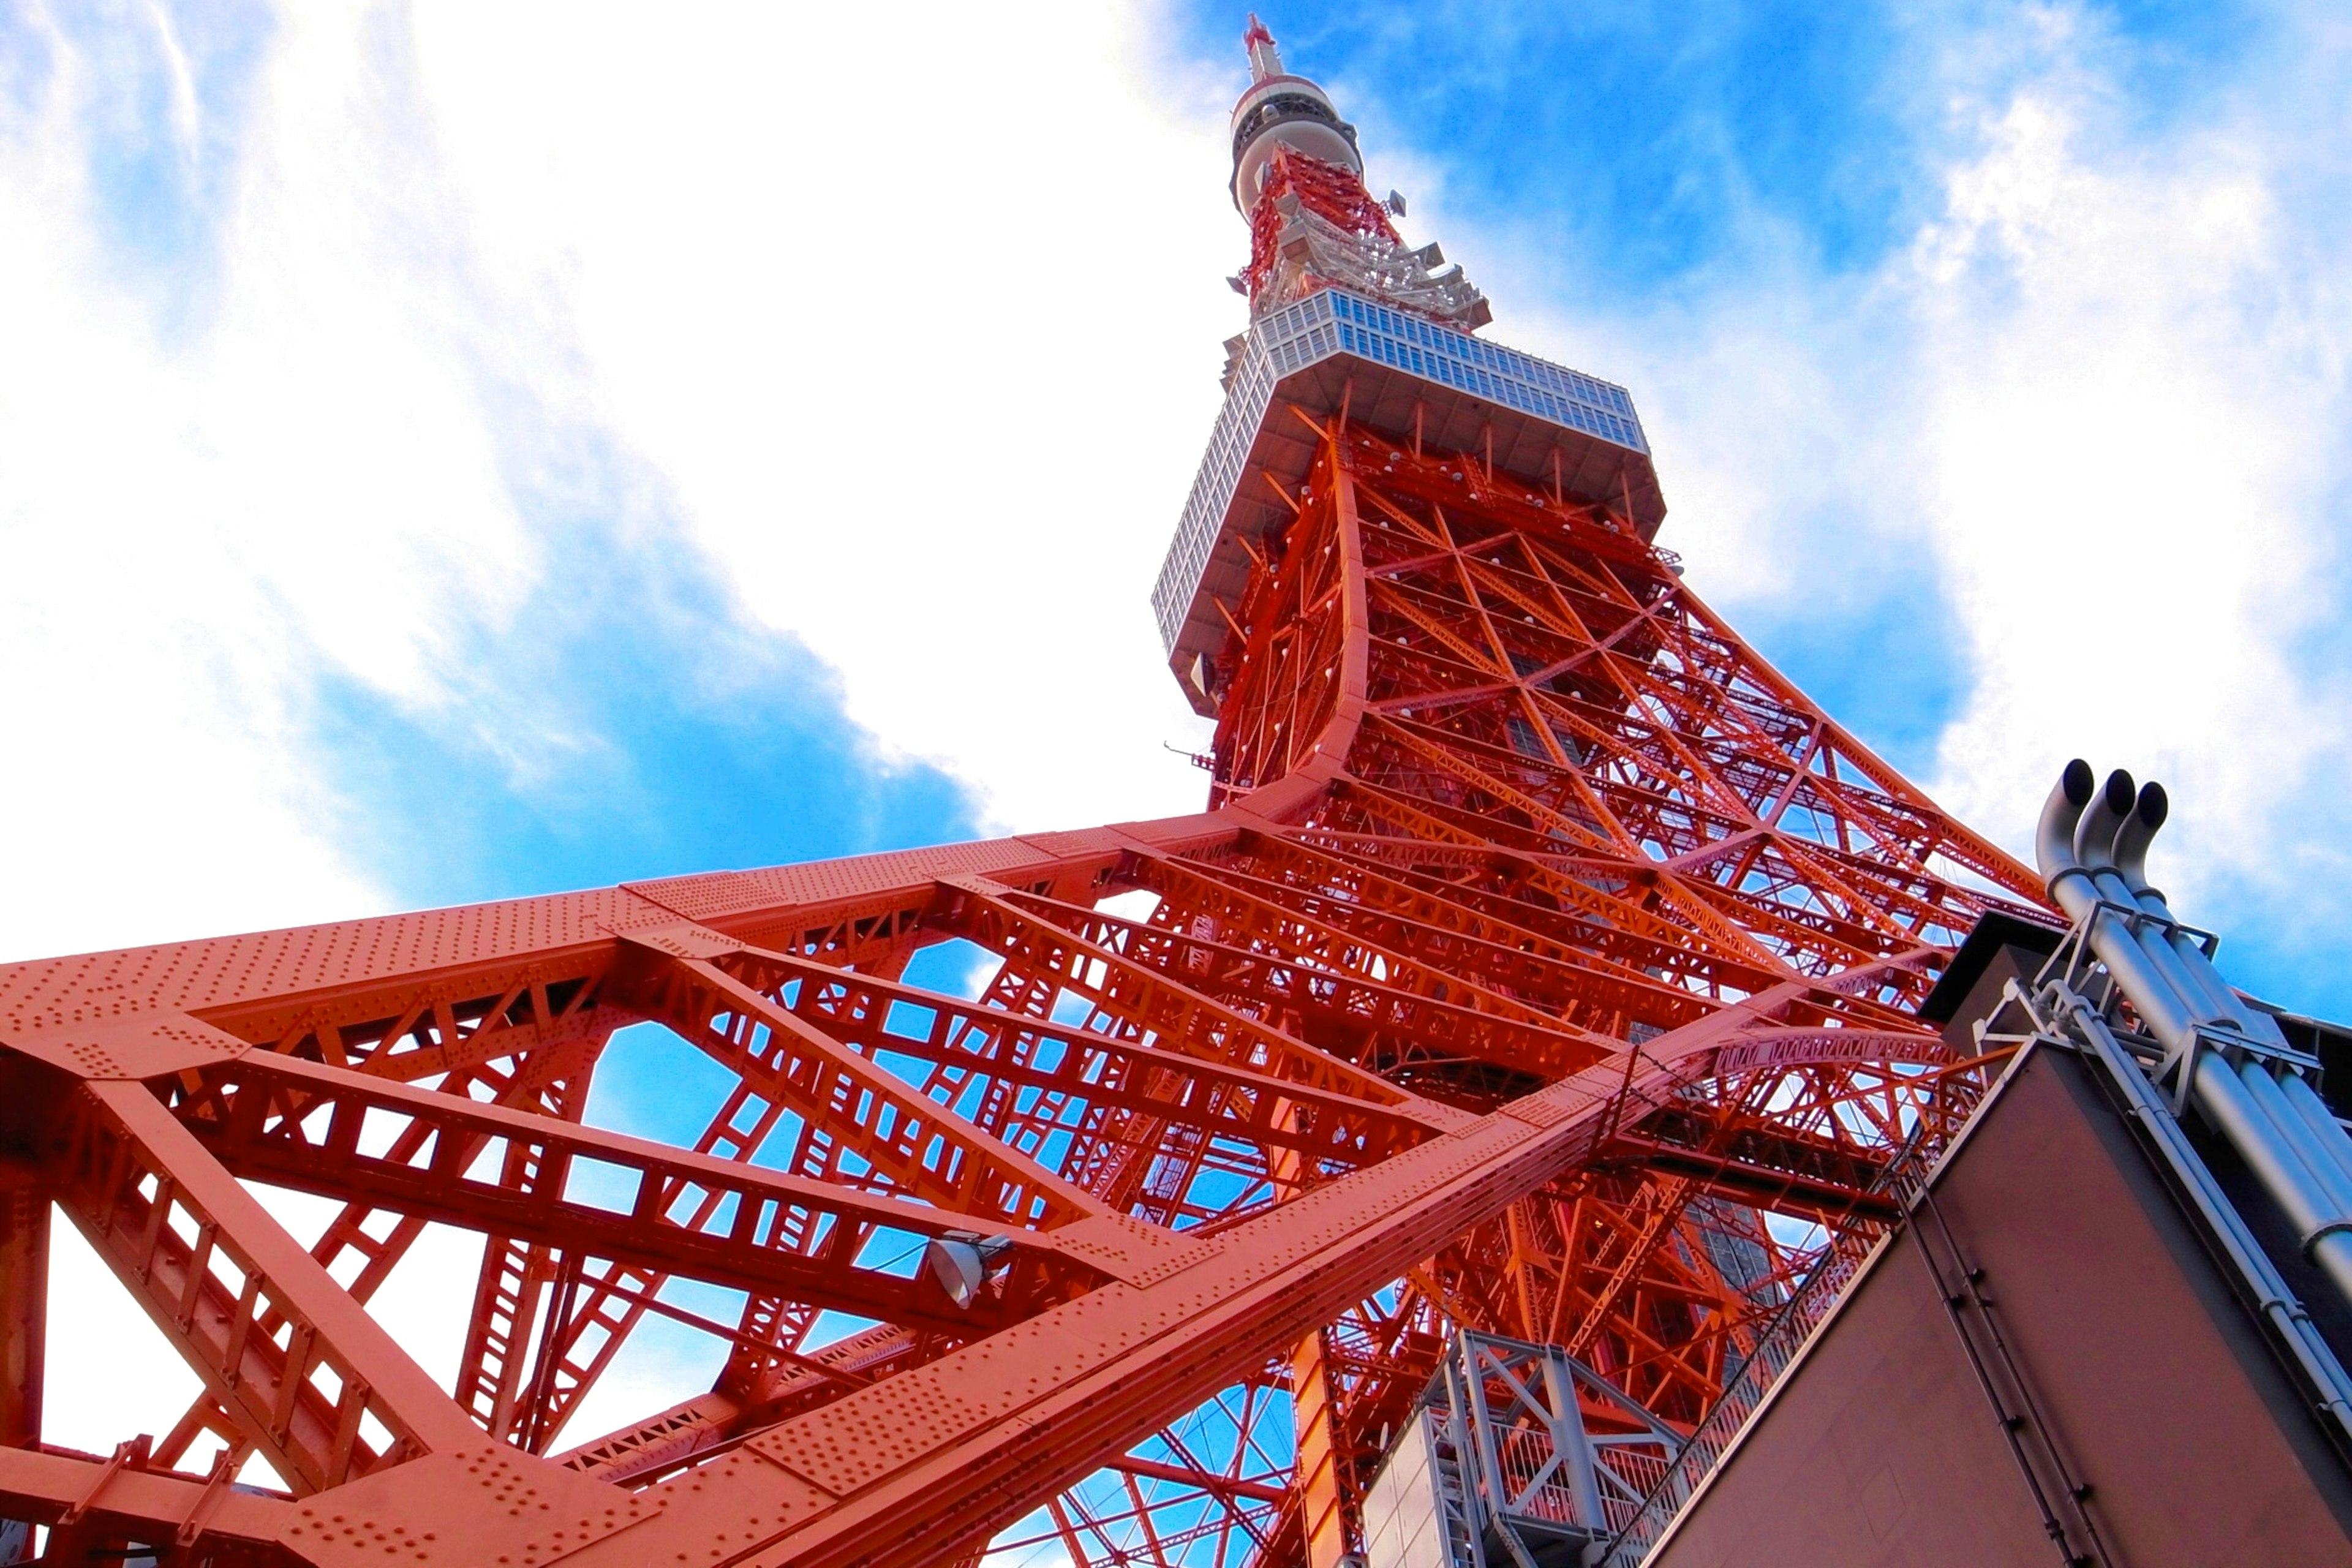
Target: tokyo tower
<point>1540,980</point>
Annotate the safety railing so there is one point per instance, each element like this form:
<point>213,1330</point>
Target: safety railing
<point>1776,1346</point>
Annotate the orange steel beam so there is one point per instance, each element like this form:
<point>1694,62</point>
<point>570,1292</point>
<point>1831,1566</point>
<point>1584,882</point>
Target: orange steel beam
<point>1535,915</point>
<point>295,1124</point>
<point>1322,1503</point>
<point>839,1488</point>
<point>206,1261</point>
<point>24,1307</point>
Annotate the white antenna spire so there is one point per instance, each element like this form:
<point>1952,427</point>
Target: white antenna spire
<point>1265,60</point>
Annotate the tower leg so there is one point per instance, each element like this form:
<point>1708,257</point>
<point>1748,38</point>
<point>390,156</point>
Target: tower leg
<point>1322,1515</point>
<point>24,1309</point>
<point>23,1313</point>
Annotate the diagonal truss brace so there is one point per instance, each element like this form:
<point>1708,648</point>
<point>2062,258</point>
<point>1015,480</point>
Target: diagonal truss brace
<point>327,1397</point>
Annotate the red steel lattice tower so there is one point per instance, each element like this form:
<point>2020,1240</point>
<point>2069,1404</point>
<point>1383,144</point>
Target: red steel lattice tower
<point>1544,964</point>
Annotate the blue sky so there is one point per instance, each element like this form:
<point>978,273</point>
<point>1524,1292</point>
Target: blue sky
<point>2112,225</point>
<point>623,724</point>
<point>624,687</point>
<point>1650,152</point>
<point>1631,134</point>
<point>620,719</point>
<point>1645,139</point>
<point>475,544</point>
<point>458,452</point>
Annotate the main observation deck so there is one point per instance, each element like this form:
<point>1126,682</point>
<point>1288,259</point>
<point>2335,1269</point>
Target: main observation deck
<point>1396,372</point>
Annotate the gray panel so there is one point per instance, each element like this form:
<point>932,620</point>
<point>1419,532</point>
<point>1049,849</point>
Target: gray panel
<point>1404,1522</point>
<point>1880,1447</point>
<point>1546,410</point>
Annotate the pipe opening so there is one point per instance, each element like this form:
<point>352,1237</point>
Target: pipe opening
<point>2130,851</point>
<point>2054,835</point>
<point>2120,792</point>
<point>2095,833</point>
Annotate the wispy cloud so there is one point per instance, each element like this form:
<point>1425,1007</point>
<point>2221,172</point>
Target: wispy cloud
<point>2134,461</point>
<point>457,451</point>
<point>454,454</point>
<point>327,582</point>
<point>920,322</point>
<point>2057,464</point>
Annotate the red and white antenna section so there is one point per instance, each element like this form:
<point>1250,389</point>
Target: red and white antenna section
<point>1298,179</point>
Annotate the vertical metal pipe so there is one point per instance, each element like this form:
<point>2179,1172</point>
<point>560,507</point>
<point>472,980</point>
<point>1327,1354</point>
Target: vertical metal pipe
<point>2295,1134</point>
<point>1494,1486</point>
<point>2128,852</point>
<point>2225,1100</point>
<point>2326,1134</point>
<point>2116,806</point>
<point>1568,1432</point>
<point>1465,1461</point>
<point>2074,890</point>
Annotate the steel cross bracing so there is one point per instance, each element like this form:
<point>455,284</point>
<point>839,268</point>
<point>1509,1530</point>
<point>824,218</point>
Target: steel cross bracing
<point>1540,942</point>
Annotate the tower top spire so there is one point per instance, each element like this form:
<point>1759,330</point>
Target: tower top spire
<point>1264,59</point>
<point>1299,180</point>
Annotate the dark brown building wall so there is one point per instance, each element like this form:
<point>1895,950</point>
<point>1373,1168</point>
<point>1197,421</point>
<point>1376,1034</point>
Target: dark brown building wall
<point>1881,1450</point>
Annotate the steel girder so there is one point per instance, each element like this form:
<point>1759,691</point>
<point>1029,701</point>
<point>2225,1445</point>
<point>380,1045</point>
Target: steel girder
<point>1541,943</point>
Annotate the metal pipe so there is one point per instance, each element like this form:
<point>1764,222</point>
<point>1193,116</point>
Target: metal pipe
<point>2053,835</point>
<point>2328,1139</point>
<point>2129,853</point>
<point>2133,834</point>
<point>1568,1434</point>
<point>2313,1109</point>
<point>2226,1101</point>
<point>2074,890</point>
<point>2093,846</point>
<point>2257,1120</point>
<point>2327,1173</point>
<point>2106,812</point>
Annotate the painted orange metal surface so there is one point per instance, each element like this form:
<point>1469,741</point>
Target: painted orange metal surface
<point>1539,940</point>
<point>1544,964</point>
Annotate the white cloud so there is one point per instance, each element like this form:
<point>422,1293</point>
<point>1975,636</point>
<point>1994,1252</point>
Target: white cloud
<point>2129,427</point>
<point>916,324</point>
<point>915,321</point>
<point>196,517</point>
<point>108,1373</point>
<point>2108,377</point>
<point>921,323</point>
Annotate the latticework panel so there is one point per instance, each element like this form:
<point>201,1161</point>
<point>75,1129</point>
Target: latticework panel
<point>1545,965</point>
